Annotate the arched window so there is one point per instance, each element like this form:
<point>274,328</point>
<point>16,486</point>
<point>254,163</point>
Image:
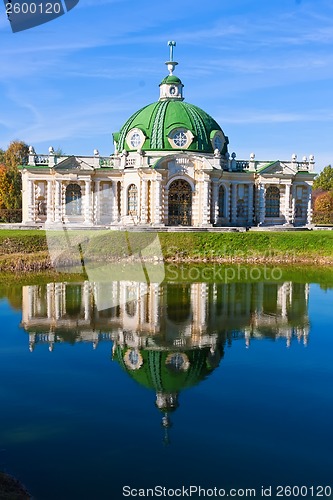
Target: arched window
<point>132,200</point>
<point>272,201</point>
<point>221,201</point>
<point>73,199</point>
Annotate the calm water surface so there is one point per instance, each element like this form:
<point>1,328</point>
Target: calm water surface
<point>214,385</point>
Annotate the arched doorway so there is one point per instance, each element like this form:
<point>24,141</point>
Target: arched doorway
<point>180,203</point>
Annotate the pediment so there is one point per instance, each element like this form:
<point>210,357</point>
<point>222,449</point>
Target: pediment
<point>73,163</point>
<point>277,167</point>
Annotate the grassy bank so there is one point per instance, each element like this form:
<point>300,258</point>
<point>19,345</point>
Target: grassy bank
<point>22,251</point>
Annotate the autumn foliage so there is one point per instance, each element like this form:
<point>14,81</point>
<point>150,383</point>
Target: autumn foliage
<point>10,177</point>
<point>10,188</point>
<point>323,208</point>
<point>16,154</point>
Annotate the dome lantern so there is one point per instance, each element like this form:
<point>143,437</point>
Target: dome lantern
<point>171,87</point>
<point>170,124</point>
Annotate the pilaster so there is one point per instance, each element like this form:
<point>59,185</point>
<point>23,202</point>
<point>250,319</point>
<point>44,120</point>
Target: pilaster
<point>143,204</point>
<point>158,208</point>
<point>215,202</point>
<point>287,204</point>
<point>87,203</point>
<point>293,204</point>
<point>205,221</point>
<point>233,203</point>
<point>97,202</point>
<point>309,208</point>
<point>227,201</point>
<point>58,201</point>
<point>31,201</point>
<point>49,203</point>
<point>250,205</point>
<point>261,204</point>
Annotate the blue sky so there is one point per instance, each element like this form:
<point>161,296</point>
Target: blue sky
<point>262,68</point>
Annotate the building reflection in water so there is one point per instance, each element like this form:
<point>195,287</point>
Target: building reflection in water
<point>167,337</point>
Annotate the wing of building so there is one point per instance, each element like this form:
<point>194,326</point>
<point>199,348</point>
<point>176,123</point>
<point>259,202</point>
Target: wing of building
<point>171,167</point>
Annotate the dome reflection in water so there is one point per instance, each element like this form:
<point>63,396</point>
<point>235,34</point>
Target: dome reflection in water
<point>235,378</point>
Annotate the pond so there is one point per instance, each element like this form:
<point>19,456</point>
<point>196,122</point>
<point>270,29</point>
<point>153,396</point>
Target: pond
<point>177,385</point>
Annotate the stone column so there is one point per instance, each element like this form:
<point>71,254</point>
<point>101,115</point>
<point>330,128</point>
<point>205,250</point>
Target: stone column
<point>282,294</point>
<point>293,204</point>
<point>259,298</point>
<point>205,210</point>
<point>250,205</point>
<point>233,203</point>
<point>50,298</point>
<point>31,201</point>
<point>86,300</point>
<point>57,301</point>
<point>143,204</point>
<point>157,212</point>
<point>262,204</point>
<point>58,201</point>
<point>122,201</point>
<point>97,202</point>
<point>87,203</point>
<point>227,202</point>
<point>49,203</point>
<point>287,203</point>
<point>114,203</point>
<point>215,202</point>
<point>309,208</point>
<point>31,301</point>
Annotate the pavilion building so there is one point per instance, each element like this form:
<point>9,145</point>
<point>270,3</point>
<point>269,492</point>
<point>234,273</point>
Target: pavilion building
<point>170,167</point>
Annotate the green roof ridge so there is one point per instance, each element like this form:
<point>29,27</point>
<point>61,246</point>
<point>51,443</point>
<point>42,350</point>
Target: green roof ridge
<point>156,141</point>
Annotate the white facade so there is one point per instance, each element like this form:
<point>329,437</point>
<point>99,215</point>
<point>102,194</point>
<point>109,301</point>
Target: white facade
<point>171,167</point>
<point>209,311</point>
<point>136,189</point>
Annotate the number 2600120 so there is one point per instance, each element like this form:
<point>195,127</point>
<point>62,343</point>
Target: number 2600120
<point>303,491</point>
<point>33,8</point>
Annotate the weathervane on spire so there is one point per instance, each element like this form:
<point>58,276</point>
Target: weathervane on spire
<point>171,64</point>
<point>171,44</point>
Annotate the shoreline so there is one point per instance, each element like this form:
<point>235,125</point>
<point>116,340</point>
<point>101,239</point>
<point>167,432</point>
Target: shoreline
<point>27,251</point>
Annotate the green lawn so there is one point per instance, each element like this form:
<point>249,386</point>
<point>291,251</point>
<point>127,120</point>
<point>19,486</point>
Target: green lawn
<point>306,246</point>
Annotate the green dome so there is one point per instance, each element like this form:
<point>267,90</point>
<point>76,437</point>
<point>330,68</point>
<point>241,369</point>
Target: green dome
<point>158,120</point>
<point>171,79</point>
<point>155,372</point>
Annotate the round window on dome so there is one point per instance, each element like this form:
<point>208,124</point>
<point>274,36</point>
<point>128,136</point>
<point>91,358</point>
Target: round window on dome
<point>180,138</point>
<point>218,141</point>
<point>135,138</point>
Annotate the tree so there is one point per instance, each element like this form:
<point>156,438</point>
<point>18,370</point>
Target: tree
<point>324,180</point>
<point>2,156</point>
<point>16,154</point>
<point>10,188</point>
<point>323,208</point>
